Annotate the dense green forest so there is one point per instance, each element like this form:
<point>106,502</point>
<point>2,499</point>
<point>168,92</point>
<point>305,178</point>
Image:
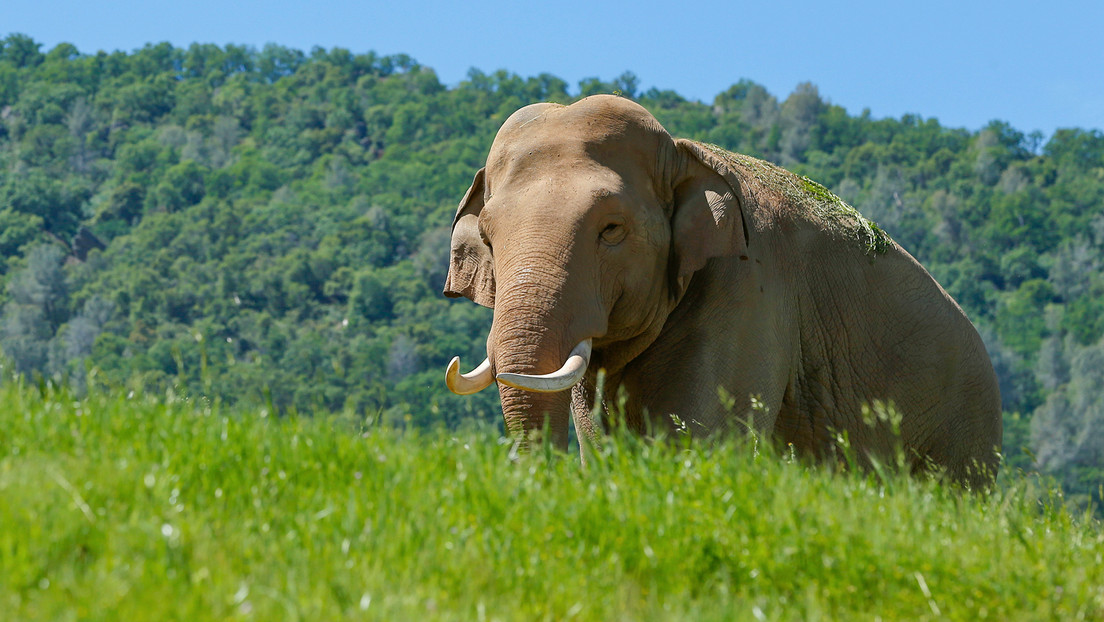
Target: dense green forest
<point>271,227</point>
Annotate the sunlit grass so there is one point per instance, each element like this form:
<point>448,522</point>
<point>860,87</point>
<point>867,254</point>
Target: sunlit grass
<point>116,508</point>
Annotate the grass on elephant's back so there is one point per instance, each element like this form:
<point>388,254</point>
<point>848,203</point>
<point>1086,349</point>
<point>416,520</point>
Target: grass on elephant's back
<point>141,509</point>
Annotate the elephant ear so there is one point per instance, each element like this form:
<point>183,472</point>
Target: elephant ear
<point>471,267</point>
<point>708,219</point>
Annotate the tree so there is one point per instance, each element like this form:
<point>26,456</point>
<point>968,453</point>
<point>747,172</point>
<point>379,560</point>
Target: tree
<point>760,108</point>
<point>21,51</point>
<point>184,184</point>
<point>36,309</point>
<point>1067,431</point>
<point>799,114</point>
<point>75,341</point>
<point>56,202</point>
<point>16,230</point>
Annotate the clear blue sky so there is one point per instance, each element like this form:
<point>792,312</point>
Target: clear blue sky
<point>1036,65</point>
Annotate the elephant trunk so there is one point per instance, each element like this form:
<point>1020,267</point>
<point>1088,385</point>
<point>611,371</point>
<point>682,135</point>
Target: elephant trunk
<point>532,418</point>
<point>539,324</point>
<point>523,346</point>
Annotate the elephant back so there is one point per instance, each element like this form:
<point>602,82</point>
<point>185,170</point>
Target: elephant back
<point>802,198</point>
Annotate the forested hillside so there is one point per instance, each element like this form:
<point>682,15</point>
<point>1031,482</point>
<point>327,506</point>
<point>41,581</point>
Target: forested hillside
<point>271,227</point>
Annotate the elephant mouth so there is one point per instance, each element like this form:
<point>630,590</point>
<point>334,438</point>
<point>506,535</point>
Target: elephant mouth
<point>570,373</point>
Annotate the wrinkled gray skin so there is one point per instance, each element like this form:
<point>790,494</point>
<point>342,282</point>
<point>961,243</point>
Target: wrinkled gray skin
<point>692,273</point>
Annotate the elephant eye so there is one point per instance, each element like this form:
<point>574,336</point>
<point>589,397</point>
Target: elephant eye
<point>613,234</point>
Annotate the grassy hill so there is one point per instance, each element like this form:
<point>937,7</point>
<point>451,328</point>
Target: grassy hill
<point>122,507</point>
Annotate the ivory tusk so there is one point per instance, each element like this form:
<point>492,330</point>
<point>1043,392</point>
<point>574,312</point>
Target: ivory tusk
<point>473,382</point>
<point>571,372</point>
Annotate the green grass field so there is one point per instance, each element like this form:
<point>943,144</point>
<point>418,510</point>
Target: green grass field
<point>132,509</point>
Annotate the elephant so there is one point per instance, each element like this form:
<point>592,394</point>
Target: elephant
<point>683,271</point>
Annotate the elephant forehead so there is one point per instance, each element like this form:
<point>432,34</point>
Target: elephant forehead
<point>561,138</point>
<point>557,193</point>
<point>565,170</point>
<point>530,157</point>
<point>535,160</point>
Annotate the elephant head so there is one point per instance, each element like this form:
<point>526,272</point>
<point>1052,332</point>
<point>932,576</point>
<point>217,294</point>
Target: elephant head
<point>582,232</point>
